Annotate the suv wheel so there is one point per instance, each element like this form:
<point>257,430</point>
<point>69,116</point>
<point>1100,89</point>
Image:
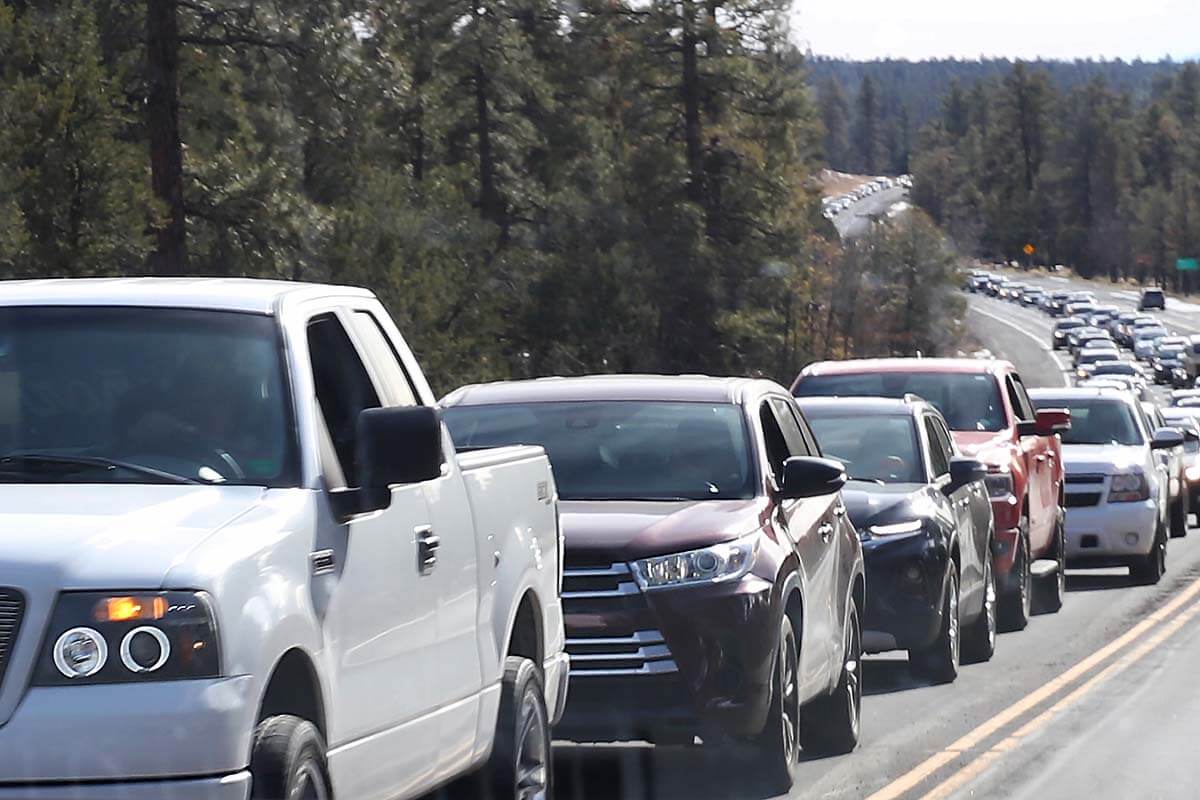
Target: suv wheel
<point>831,723</point>
<point>979,639</point>
<point>288,761</point>
<point>779,742</point>
<point>939,662</point>
<point>1016,602</point>
<point>1052,590</point>
<point>1150,569</point>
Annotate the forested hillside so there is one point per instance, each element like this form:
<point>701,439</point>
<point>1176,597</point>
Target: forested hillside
<point>896,99</point>
<point>533,187</point>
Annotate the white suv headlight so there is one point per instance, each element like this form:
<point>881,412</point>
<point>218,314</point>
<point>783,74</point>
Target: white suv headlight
<point>1130,487</point>
<point>716,564</point>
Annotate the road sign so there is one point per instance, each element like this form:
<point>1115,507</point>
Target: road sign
<point>1188,265</point>
<point>1030,249</point>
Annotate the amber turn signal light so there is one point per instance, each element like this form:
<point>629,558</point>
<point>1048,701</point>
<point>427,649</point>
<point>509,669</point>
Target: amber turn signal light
<point>128,609</point>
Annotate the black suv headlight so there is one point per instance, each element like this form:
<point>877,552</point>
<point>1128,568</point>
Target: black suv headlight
<point>109,637</point>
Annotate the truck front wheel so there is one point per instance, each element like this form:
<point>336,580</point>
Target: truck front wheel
<point>288,762</point>
<point>1015,603</point>
<point>521,767</point>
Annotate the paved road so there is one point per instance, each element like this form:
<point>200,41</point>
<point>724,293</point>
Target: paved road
<point>1094,701</point>
<point>856,220</point>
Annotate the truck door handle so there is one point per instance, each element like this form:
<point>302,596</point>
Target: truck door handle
<point>826,531</point>
<point>840,511</point>
<point>427,547</point>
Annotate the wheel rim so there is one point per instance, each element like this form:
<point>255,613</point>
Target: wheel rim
<point>1162,554</point>
<point>1062,565</point>
<point>1026,577</point>
<point>952,621</point>
<point>789,692</point>
<point>309,784</point>
<point>989,601</point>
<point>853,676</point>
<point>532,772</point>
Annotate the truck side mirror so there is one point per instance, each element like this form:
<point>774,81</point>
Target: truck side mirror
<point>1050,421</point>
<point>393,446</point>
<point>811,477</point>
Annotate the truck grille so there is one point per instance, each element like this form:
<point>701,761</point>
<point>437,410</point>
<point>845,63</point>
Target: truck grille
<point>1082,499</point>
<point>12,609</point>
<point>615,639</point>
<point>643,653</point>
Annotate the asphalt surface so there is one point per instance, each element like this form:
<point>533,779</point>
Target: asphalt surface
<point>1095,701</point>
<point>856,220</point>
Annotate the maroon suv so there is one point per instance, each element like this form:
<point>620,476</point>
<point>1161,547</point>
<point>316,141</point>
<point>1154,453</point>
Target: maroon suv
<point>713,580</point>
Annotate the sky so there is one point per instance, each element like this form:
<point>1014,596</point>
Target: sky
<point>917,29</point>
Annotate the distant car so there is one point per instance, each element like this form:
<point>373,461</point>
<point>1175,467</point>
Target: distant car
<point>1174,460</point>
<point>915,499</point>
<point>1102,315</point>
<point>1179,395</point>
<point>1167,364</point>
<point>1123,318</point>
<point>1058,337</point>
<point>1127,383</point>
<point>1078,335</point>
<point>1152,298</point>
<point>1057,301</point>
<point>1100,341</point>
<point>1116,487</point>
<point>1129,331</point>
<point>1126,368</point>
<point>1032,296</point>
<point>1079,308</point>
<point>1191,356</point>
<point>1086,361</point>
<point>1145,340</point>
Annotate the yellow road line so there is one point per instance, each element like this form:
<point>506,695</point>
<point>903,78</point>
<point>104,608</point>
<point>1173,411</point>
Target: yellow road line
<point>1009,743</point>
<point>923,771</point>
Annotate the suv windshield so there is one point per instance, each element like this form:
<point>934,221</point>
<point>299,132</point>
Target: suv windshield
<point>872,448</point>
<point>968,401</point>
<point>140,395</point>
<point>1096,421</point>
<point>623,450</point>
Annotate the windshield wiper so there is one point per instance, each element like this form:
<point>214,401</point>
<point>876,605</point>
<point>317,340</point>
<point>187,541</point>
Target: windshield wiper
<point>20,460</point>
<point>865,480</point>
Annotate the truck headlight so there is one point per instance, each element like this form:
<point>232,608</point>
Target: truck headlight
<point>120,638</point>
<point>1130,487</point>
<point>716,564</point>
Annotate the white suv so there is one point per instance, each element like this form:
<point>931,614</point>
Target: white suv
<point>1117,490</point>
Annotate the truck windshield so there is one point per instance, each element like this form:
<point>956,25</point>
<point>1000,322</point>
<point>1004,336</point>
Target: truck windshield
<point>968,401</point>
<point>141,395</point>
<point>623,450</point>
<point>1096,421</point>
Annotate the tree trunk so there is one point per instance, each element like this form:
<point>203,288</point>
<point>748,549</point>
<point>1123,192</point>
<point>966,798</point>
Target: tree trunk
<point>690,90</point>
<point>166,146</point>
<point>490,203</point>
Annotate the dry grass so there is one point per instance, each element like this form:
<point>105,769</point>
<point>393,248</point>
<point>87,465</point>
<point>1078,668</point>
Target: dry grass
<point>837,183</point>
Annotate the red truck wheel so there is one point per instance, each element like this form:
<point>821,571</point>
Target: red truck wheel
<point>1017,600</point>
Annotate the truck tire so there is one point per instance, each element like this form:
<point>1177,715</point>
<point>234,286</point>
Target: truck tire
<point>939,662</point>
<point>1051,590</point>
<point>521,766</point>
<point>288,761</point>
<point>1149,570</point>
<point>831,724</point>
<point>778,745</point>
<point>1179,515</point>
<point>1016,602</point>
<point>979,638</point>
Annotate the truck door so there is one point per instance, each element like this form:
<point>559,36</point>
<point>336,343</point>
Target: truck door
<point>381,621</point>
<point>450,571</point>
<point>1040,486</point>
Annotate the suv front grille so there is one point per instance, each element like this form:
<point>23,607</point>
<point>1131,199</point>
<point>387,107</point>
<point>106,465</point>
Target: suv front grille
<point>643,653</point>
<point>1085,477</point>
<point>12,609</point>
<point>1082,499</point>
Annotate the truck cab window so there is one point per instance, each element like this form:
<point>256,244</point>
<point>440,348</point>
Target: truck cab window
<point>342,385</point>
<point>382,356</point>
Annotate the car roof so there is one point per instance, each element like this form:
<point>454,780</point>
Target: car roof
<point>1082,393</point>
<point>870,406</point>
<point>226,294</point>
<point>977,366</point>
<point>662,388</point>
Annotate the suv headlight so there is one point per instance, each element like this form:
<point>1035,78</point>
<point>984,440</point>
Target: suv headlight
<point>896,529</point>
<point>120,638</point>
<point>716,564</point>
<point>1130,487</point>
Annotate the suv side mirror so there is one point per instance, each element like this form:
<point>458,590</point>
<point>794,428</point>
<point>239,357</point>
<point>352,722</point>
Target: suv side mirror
<point>393,446</point>
<point>964,471</point>
<point>811,477</point>
<point>1166,438</point>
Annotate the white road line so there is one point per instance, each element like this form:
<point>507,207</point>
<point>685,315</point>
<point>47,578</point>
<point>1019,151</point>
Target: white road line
<point>1062,368</point>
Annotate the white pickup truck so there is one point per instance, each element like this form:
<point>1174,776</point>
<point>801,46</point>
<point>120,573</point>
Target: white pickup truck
<point>241,560</point>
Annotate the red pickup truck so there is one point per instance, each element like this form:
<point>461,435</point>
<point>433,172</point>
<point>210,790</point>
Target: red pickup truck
<point>993,420</point>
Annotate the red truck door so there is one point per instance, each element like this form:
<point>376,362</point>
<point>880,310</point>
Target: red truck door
<point>1039,457</point>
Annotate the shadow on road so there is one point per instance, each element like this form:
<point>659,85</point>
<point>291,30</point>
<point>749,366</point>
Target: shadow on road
<point>887,675</point>
<point>1097,582</point>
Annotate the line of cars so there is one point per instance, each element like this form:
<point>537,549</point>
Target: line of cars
<point>833,206</point>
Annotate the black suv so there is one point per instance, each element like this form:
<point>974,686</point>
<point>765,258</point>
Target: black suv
<point>1152,298</point>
